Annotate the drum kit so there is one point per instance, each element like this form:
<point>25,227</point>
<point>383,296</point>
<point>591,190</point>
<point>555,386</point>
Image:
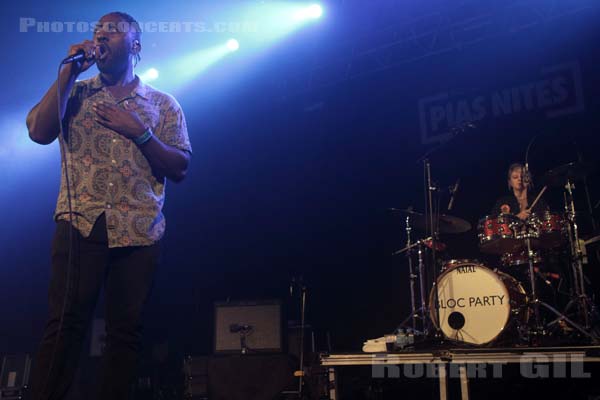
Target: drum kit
<point>505,302</point>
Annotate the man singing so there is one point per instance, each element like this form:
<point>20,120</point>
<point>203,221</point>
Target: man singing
<point>121,140</point>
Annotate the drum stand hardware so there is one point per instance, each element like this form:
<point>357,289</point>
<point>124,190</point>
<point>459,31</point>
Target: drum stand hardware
<point>433,230</point>
<point>412,275</point>
<point>422,311</point>
<point>581,299</point>
<point>538,329</point>
<point>578,292</point>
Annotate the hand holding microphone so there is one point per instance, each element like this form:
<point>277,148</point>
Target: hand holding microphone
<point>82,56</point>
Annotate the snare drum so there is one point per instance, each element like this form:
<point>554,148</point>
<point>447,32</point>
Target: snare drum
<point>498,234</point>
<point>520,258</point>
<point>476,305</point>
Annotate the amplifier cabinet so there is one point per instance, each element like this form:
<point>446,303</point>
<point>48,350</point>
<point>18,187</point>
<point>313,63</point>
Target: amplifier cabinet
<point>248,327</point>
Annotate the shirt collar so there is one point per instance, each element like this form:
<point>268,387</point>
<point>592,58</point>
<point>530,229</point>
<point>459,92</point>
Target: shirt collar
<point>141,89</point>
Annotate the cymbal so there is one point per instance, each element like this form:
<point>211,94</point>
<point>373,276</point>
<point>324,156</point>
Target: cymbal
<point>573,171</point>
<point>404,211</point>
<point>447,223</point>
<point>450,224</point>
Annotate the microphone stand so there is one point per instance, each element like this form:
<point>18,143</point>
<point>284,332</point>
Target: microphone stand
<point>411,275</point>
<point>243,333</point>
<point>300,372</point>
<point>302,328</point>
<point>430,211</point>
<point>429,216</point>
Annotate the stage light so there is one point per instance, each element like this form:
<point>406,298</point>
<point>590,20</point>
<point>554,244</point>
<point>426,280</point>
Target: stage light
<point>149,75</point>
<point>275,19</point>
<point>233,45</point>
<point>313,11</point>
<point>181,71</point>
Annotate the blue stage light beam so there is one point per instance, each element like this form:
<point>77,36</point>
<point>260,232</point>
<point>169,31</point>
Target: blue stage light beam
<point>233,45</point>
<point>16,142</point>
<point>274,20</point>
<point>180,71</point>
<point>149,75</point>
<point>313,11</point>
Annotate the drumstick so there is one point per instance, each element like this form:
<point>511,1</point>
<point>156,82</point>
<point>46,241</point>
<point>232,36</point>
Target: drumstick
<point>538,197</point>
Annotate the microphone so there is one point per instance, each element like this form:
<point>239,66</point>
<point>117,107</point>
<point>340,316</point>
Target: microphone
<point>79,57</point>
<point>453,191</point>
<point>526,177</point>
<point>233,328</point>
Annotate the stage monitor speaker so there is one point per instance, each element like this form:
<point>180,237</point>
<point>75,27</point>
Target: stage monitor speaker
<point>14,376</point>
<point>248,327</point>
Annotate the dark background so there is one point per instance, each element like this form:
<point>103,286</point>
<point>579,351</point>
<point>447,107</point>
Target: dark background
<point>297,158</point>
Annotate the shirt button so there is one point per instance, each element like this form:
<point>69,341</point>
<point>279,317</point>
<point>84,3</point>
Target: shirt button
<point>110,183</point>
<point>114,161</point>
<point>114,140</point>
<point>108,206</point>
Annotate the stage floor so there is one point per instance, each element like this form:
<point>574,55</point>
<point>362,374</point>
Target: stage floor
<point>489,368</point>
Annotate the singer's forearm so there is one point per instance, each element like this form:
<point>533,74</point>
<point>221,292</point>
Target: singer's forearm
<point>166,161</point>
<point>42,120</point>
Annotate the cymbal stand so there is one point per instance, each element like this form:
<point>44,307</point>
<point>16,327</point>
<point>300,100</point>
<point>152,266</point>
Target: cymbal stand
<point>412,276</point>
<point>540,329</point>
<point>579,281</point>
<point>422,288</point>
<point>577,255</point>
<point>422,275</point>
<point>430,213</point>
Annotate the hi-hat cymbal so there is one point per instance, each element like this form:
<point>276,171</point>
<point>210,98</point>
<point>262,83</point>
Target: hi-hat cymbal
<point>447,223</point>
<point>405,211</point>
<point>573,171</point>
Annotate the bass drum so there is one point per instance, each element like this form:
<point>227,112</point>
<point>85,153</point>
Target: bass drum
<point>475,304</point>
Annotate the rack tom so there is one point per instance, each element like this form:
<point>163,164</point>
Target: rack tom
<point>498,234</point>
<point>551,229</point>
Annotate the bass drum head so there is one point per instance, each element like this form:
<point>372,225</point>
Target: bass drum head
<point>474,303</point>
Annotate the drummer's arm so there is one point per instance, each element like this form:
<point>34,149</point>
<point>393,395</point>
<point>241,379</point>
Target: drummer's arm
<point>524,214</point>
<point>496,210</point>
<point>540,208</point>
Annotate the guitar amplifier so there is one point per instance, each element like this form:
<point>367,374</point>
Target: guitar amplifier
<point>248,327</point>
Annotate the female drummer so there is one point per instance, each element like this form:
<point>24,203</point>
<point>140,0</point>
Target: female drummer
<point>518,202</point>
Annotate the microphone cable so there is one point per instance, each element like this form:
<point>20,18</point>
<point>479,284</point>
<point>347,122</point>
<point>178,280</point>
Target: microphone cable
<point>68,286</point>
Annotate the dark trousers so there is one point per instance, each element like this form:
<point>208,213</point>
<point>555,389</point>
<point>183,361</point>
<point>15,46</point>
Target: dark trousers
<point>126,274</point>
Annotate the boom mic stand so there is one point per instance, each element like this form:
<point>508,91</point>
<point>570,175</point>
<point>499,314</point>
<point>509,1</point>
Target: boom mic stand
<point>432,229</point>
<point>298,284</point>
<point>433,218</point>
<point>412,276</point>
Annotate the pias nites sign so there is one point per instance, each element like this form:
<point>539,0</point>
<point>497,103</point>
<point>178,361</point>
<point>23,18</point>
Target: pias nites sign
<point>556,92</point>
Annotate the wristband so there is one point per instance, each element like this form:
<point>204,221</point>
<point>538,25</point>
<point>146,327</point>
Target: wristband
<point>143,138</point>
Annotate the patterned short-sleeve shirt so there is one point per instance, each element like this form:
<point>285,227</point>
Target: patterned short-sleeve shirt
<point>108,173</point>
